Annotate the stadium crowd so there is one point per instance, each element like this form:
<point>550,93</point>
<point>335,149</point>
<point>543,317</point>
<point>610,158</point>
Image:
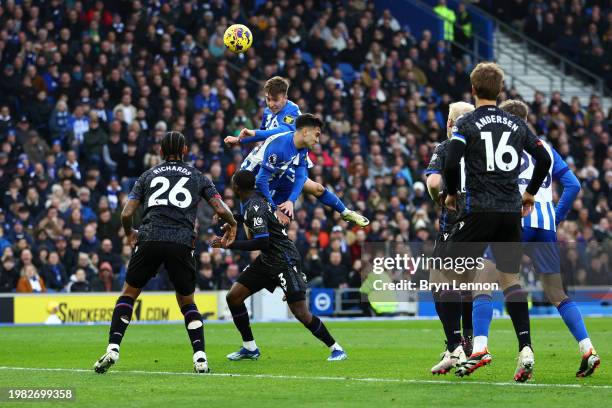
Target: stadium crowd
<point>578,30</point>
<point>88,88</point>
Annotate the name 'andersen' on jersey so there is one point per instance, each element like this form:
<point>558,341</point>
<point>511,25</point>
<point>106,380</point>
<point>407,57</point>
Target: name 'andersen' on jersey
<point>494,142</point>
<point>170,193</point>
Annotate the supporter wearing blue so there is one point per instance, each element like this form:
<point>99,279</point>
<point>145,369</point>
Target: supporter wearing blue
<point>280,116</point>
<point>283,170</point>
<point>540,238</point>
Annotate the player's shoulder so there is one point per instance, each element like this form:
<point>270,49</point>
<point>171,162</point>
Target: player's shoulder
<point>292,107</point>
<point>441,147</point>
<point>258,204</point>
<point>465,118</point>
<point>290,113</point>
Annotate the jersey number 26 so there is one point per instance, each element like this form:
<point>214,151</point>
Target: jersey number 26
<point>173,196</point>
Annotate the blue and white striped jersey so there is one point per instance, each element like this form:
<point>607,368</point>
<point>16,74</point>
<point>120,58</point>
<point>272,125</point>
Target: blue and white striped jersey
<point>543,214</point>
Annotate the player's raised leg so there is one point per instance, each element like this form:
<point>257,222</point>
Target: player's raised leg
<point>235,301</point>
<point>122,315</point>
<point>331,200</point>
<point>299,308</point>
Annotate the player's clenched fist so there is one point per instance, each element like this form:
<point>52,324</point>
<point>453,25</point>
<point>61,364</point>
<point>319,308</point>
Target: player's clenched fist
<point>231,141</point>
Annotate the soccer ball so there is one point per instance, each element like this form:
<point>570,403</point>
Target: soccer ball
<point>238,38</point>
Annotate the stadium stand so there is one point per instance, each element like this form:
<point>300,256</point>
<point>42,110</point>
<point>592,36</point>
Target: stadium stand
<point>87,92</point>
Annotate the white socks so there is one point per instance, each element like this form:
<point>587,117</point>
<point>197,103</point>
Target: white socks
<point>249,345</point>
<point>112,347</point>
<point>585,345</point>
<point>480,344</point>
<point>346,211</point>
<point>336,346</point>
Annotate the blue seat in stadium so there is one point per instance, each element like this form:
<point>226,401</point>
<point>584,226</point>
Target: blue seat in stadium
<point>348,73</point>
<point>327,68</point>
<point>307,58</point>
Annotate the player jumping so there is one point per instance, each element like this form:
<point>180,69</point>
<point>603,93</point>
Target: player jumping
<point>492,142</point>
<point>277,265</point>
<point>170,193</point>
<point>280,116</point>
<point>539,228</point>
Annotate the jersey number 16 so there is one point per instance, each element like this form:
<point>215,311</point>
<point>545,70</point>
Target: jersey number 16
<point>495,156</point>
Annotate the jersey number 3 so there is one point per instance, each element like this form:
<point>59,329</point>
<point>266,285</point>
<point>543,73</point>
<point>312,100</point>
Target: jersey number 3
<point>495,157</point>
<point>173,197</point>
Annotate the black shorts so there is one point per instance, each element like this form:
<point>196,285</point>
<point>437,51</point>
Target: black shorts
<point>290,278</point>
<point>177,259</point>
<point>475,231</point>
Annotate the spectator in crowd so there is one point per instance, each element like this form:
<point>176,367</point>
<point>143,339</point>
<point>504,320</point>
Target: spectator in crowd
<point>54,273</point>
<point>79,282</point>
<point>335,274</point>
<point>206,280</point>
<point>30,281</point>
<point>105,280</point>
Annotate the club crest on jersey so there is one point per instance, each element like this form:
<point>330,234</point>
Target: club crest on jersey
<point>289,120</point>
<point>258,222</point>
<point>455,129</point>
<point>272,159</point>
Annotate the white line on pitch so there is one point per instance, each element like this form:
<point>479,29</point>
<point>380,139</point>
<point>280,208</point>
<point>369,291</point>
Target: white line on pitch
<point>319,378</point>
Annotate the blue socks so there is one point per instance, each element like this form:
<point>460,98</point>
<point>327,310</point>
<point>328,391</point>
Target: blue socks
<point>573,319</point>
<point>331,200</point>
<point>482,315</point>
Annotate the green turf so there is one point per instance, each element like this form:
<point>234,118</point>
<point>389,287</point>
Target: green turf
<point>377,350</point>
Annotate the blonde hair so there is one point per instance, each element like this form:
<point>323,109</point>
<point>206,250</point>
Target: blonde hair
<point>455,110</point>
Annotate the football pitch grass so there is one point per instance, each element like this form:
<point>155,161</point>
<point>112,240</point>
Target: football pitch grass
<point>388,365</point>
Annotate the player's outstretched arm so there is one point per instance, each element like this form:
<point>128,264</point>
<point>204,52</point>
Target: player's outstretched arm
<point>571,186</point>
<point>224,212</point>
<point>301,174</point>
<point>126,221</point>
<point>251,136</point>
<point>262,182</point>
<point>255,244</point>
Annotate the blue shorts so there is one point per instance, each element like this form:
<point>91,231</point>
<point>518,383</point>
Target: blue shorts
<point>542,248</point>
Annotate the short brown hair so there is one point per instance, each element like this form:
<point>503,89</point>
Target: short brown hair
<point>276,86</point>
<point>515,107</point>
<point>487,80</point>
